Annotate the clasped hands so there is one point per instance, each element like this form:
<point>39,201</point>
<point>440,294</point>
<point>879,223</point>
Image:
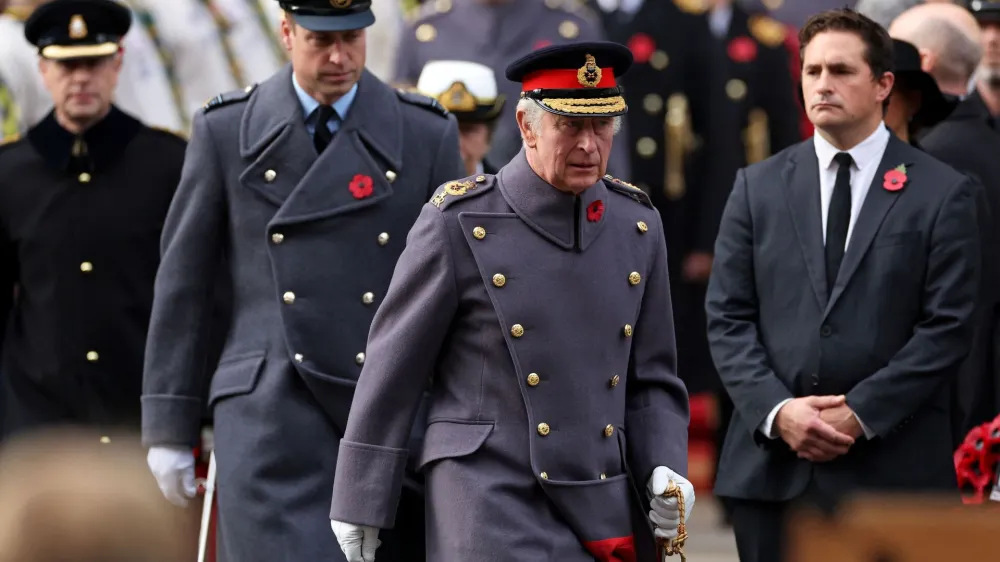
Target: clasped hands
<point>818,428</point>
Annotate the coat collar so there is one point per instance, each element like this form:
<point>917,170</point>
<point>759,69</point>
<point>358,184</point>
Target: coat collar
<point>567,220</point>
<point>104,142</point>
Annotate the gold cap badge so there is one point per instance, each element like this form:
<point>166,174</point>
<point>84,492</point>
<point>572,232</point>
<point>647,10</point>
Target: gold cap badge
<point>77,27</point>
<point>589,75</point>
<point>457,98</point>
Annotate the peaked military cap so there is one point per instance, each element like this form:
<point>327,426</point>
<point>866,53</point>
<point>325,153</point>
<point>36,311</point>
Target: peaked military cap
<point>577,80</point>
<point>71,29</point>
<point>985,10</point>
<point>330,15</point>
<point>467,89</point>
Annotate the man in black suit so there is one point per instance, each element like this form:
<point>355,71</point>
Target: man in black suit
<point>949,37</point>
<point>841,300</point>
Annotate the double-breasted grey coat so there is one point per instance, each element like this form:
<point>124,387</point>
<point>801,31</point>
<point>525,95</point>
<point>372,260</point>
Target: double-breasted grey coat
<point>544,320</point>
<point>307,245</point>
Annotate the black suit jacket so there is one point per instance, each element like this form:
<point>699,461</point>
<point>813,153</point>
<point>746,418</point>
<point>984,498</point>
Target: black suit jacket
<point>967,142</point>
<point>891,335</point>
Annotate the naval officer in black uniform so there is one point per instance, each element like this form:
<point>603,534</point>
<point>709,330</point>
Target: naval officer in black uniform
<point>83,197</point>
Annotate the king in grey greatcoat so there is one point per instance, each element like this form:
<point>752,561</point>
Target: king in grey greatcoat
<point>308,244</point>
<point>543,317</point>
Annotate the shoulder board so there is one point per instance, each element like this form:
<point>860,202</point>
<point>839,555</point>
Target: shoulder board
<point>628,190</point>
<point>230,97</point>
<point>462,189</point>
<point>696,7</point>
<point>414,98</point>
<point>178,134</point>
<point>10,139</point>
<point>768,30</point>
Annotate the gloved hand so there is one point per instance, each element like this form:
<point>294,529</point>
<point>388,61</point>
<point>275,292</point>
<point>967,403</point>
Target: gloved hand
<point>173,468</point>
<point>357,542</point>
<point>664,512</point>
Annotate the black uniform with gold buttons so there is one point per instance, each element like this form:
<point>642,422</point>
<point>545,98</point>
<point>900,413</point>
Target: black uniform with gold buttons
<point>80,220</point>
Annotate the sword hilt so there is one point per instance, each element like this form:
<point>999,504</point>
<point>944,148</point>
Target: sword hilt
<point>675,545</point>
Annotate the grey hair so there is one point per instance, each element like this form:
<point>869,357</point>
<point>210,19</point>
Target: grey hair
<point>533,114</point>
<point>958,54</point>
<point>884,11</point>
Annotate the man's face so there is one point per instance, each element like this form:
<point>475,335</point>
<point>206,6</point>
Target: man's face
<point>837,83</point>
<point>81,89</point>
<point>474,142</point>
<point>327,63</point>
<point>990,64</point>
<point>571,153</point>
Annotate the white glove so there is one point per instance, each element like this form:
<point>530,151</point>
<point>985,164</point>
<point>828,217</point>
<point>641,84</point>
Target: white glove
<point>173,468</point>
<point>664,512</point>
<point>358,543</point>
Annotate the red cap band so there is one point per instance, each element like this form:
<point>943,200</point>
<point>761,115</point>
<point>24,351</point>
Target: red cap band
<point>564,79</point>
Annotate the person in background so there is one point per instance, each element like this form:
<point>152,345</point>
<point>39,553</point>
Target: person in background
<point>83,197</point>
<point>19,64</point>
<point>916,103</point>
<point>469,91</point>
<point>298,193</point>
<point>842,301</point>
<point>948,38</point>
<point>987,13</point>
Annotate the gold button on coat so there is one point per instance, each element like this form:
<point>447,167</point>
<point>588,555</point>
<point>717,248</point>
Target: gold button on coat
<point>652,103</point>
<point>736,89</point>
<point>360,358</point>
<point>543,429</point>
<point>614,381</point>
<point>86,267</point>
<point>609,430</point>
<point>499,280</point>
<point>533,379</point>
<point>604,476</point>
<point>479,233</point>
<point>659,59</point>
<point>368,298</point>
<point>634,278</point>
<point>92,356</point>
<point>105,439</point>
<point>480,179</point>
<point>288,297</point>
<point>628,330</point>
<point>643,228</point>
<point>569,30</point>
<point>84,177</point>
<point>277,238</point>
<point>270,175</point>
<point>390,175</point>
<point>383,239</point>
<point>299,358</point>
<point>544,475</point>
<point>426,32</point>
<point>517,330</point>
<point>646,147</point>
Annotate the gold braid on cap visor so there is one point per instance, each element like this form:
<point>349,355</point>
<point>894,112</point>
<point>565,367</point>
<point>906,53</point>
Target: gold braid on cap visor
<point>585,105</point>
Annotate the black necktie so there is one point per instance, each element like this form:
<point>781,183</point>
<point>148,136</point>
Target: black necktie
<point>323,136</point>
<point>838,218</point>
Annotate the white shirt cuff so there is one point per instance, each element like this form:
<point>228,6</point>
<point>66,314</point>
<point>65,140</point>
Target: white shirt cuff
<point>768,424</point>
<point>869,434</point>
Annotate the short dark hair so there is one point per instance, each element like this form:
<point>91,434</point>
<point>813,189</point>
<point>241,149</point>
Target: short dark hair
<point>878,44</point>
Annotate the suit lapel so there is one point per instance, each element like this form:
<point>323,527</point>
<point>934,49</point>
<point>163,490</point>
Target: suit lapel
<point>354,171</point>
<point>876,205</point>
<point>801,179</point>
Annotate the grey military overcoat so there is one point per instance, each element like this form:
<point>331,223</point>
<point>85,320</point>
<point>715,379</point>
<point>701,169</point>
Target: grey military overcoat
<point>308,245</point>
<point>545,321</point>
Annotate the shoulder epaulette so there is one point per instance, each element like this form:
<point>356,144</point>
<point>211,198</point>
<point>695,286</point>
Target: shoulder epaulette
<point>414,98</point>
<point>170,132</point>
<point>462,189</point>
<point>628,190</point>
<point>696,7</point>
<point>767,30</point>
<point>230,97</point>
<point>10,139</point>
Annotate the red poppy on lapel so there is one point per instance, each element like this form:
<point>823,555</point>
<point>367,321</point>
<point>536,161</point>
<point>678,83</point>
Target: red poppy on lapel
<point>895,179</point>
<point>742,49</point>
<point>642,47</point>
<point>361,186</point>
<point>541,44</point>
<point>595,210</point>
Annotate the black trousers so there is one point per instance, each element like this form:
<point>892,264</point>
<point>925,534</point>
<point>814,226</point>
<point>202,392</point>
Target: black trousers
<point>761,527</point>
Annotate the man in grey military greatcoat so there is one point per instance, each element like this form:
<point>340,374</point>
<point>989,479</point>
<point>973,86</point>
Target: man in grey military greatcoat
<point>538,302</point>
<point>299,192</point>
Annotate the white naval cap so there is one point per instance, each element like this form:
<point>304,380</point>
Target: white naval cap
<point>467,89</point>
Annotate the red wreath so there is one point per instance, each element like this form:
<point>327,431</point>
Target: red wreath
<point>361,186</point>
<point>642,47</point>
<point>977,461</point>
<point>742,49</point>
<point>595,210</point>
<point>895,179</point>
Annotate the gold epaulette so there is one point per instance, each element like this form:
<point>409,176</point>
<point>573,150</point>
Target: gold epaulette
<point>458,189</point>
<point>629,190</point>
<point>767,30</point>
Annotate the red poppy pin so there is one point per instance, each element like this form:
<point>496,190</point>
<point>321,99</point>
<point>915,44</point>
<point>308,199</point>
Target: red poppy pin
<point>361,186</point>
<point>642,47</point>
<point>595,210</point>
<point>895,179</point>
<point>742,49</point>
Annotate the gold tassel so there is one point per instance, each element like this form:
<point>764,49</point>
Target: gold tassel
<point>676,544</point>
<point>756,137</point>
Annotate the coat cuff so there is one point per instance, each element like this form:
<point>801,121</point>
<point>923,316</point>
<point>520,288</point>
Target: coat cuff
<point>367,484</point>
<point>171,420</point>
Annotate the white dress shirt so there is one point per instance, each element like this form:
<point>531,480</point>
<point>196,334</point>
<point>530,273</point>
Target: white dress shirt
<point>866,156</point>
